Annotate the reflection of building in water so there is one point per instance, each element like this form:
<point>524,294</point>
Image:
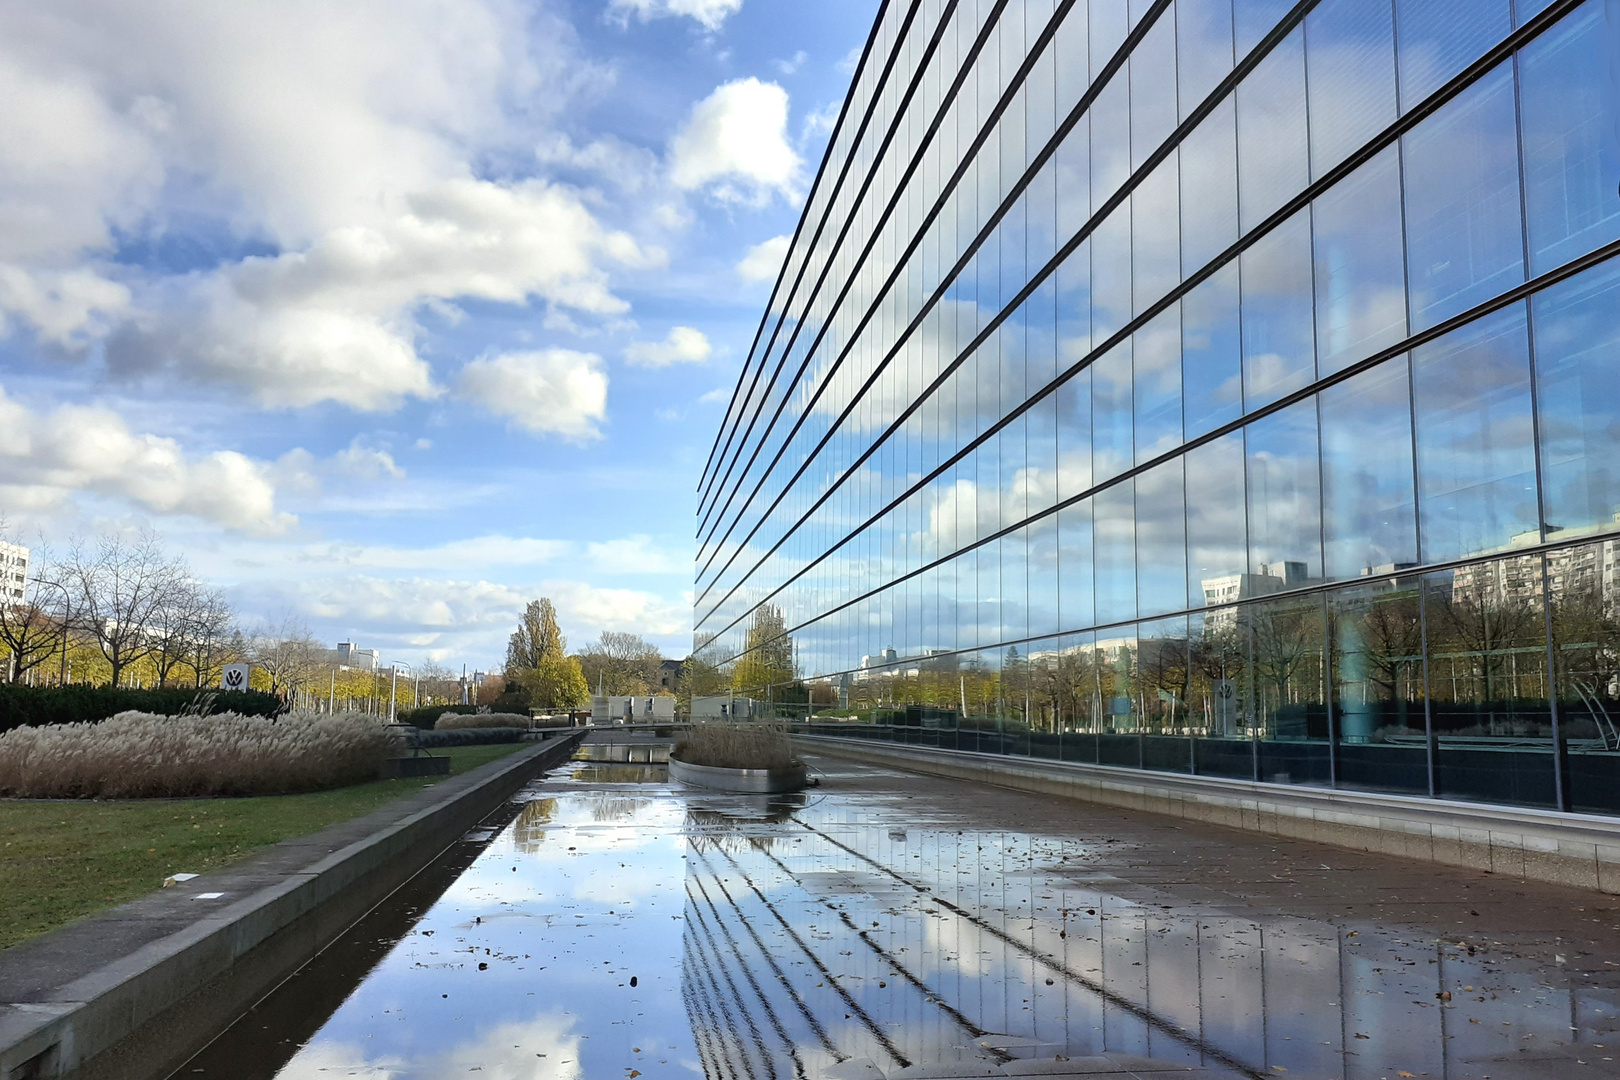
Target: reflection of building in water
<point>529,830</point>
<point>918,949</point>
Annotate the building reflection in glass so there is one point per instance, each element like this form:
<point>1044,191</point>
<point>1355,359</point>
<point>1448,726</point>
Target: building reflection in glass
<point>917,947</point>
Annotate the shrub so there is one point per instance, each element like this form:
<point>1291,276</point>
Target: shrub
<point>735,746</point>
<point>137,755</point>
<point>428,716</point>
<point>26,706</point>
<point>435,740</point>
<point>457,721</point>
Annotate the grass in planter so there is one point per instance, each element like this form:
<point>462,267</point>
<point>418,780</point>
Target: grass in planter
<point>61,861</point>
<point>735,746</point>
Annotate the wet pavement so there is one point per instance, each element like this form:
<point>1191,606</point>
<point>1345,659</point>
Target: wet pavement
<point>890,925</point>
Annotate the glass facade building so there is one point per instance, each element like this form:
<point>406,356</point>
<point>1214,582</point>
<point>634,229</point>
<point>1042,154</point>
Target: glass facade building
<point>1227,387</point>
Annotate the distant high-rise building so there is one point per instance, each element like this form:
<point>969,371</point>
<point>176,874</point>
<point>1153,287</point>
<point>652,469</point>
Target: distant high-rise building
<point>1229,387</point>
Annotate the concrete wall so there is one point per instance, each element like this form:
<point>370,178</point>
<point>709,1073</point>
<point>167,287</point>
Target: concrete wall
<point>1535,845</point>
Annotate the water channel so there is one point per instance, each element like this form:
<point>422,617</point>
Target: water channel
<point>613,924</point>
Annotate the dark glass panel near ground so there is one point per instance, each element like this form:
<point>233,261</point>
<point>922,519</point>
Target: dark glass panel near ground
<point>1283,442</point>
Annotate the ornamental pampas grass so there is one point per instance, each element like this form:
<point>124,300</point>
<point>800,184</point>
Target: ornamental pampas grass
<point>735,746</point>
<point>140,756</point>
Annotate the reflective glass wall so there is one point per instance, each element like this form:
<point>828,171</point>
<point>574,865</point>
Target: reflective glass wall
<point>1228,387</point>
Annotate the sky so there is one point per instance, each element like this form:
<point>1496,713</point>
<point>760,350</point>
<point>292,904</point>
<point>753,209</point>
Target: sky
<point>392,315</point>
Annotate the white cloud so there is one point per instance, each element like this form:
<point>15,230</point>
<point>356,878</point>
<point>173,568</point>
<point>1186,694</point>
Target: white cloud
<point>764,260</point>
<point>684,345</point>
<point>551,392</point>
<point>47,457</point>
<point>336,322</point>
<point>718,396</point>
<point>636,555</point>
<point>820,122</point>
<point>793,63</point>
<point>344,136</point>
<point>851,61</point>
<point>735,145</point>
<point>711,14</point>
<point>477,551</point>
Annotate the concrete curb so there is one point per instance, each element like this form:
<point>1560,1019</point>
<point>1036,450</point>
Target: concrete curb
<point>183,969</point>
<point>1532,845</point>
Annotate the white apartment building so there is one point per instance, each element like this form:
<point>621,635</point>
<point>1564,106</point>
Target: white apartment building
<point>13,573</point>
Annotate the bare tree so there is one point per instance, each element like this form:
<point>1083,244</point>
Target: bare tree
<point>288,654</point>
<point>116,591</point>
<point>170,629</point>
<point>211,638</point>
<point>620,663</point>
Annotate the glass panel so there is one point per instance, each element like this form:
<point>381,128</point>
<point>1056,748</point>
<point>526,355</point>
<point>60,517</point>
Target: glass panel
<point>1475,444</point>
<point>1212,360</point>
<point>1111,274</point>
<point>1360,265</point>
<point>1161,540</point>
<point>1487,644</point>
<point>1048,705</point>
<point>1075,608</point>
<point>1119,721</point>
<point>1153,89</point>
<point>1288,658</point>
<point>1074,436</point>
<point>1584,595</point>
<point>1204,45</point>
<point>1082,698</point>
<point>1156,234</point>
<point>1285,500</point>
<point>1578,381</point>
<point>1350,57</point>
<point>1209,198</point>
<point>1369,523</point>
<point>1254,18</point>
<point>1279,352</point>
<point>1112,449</point>
<point>1043,575</point>
<point>1114,534</point>
<point>1378,686</point>
<point>1156,350</point>
<point>1217,542</point>
<point>1161,695</point>
<point>1273,154</point>
<point>1571,187</point>
<point>1219,695</point>
<point>1439,38</point>
<point>1462,202</point>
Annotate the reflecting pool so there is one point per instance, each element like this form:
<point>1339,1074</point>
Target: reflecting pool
<point>880,924</point>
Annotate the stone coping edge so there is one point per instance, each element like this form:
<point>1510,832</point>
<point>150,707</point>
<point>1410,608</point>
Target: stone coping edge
<point>1533,845</point>
<point>77,1024</point>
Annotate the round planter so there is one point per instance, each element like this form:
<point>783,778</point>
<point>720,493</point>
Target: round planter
<point>745,781</point>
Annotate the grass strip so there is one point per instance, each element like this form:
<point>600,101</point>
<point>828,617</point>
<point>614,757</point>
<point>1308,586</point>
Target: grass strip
<point>63,860</point>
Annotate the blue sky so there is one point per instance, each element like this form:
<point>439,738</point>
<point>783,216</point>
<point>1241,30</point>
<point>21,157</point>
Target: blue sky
<point>391,315</point>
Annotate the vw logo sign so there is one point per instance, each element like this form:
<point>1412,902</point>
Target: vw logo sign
<point>235,677</point>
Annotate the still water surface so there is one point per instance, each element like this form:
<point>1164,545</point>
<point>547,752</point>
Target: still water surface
<point>623,926</point>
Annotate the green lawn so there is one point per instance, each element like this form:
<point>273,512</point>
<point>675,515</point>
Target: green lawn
<point>61,861</point>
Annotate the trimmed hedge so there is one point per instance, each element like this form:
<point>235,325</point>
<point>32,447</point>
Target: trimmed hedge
<point>428,716</point>
<point>436,740</point>
<point>36,706</point>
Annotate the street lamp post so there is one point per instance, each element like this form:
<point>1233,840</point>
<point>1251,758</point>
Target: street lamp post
<point>394,687</point>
